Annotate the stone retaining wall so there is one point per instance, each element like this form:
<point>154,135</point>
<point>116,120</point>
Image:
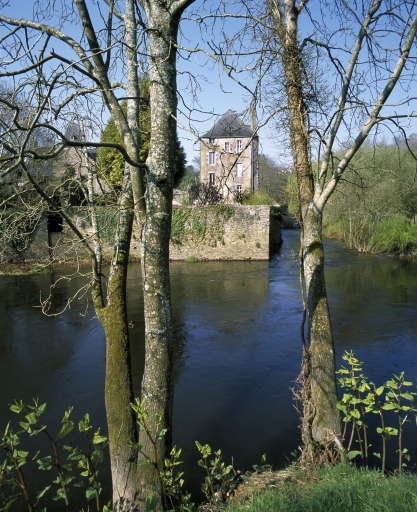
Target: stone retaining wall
<point>226,233</point>
<point>220,232</point>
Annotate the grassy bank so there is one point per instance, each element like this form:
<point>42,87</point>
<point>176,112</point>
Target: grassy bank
<point>331,489</point>
<point>12,269</point>
<point>396,235</point>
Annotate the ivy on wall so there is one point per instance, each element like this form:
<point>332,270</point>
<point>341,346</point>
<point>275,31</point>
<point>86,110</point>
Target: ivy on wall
<point>200,224</point>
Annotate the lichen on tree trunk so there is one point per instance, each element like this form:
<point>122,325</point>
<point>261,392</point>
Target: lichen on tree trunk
<point>318,352</point>
<point>322,378</point>
<point>118,383</point>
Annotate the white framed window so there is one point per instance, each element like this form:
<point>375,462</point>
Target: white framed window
<point>238,189</point>
<point>211,141</point>
<point>227,147</point>
<point>239,169</point>
<point>212,158</point>
<point>238,145</point>
<point>212,178</point>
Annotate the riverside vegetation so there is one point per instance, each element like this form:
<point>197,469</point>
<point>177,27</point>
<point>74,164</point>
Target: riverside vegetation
<point>337,485</point>
<point>376,209</point>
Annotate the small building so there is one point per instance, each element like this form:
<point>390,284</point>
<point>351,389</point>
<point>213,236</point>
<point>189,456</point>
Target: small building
<point>229,156</point>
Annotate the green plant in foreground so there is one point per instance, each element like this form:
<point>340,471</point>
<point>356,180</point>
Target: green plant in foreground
<point>170,481</point>
<point>218,477</point>
<point>79,468</point>
<point>361,397</point>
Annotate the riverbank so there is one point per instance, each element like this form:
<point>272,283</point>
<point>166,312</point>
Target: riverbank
<point>330,489</point>
<point>391,237</point>
<point>22,269</point>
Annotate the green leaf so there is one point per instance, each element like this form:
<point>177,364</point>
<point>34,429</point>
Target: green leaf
<point>17,407</point>
<point>41,493</point>
<point>352,454</point>
<point>98,439</point>
<point>38,430</point>
<point>355,413</point>
<point>41,409</point>
<point>66,429</point>
<point>45,463</point>
<point>143,462</point>
<point>380,390</point>
<point>10,501</point>
<point>97,457</point>
<point>31,418</point>
<point>59,495</point>
<point>90,493</point>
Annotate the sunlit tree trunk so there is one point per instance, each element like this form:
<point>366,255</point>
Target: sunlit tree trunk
<point>118,383</point>
<point>321,417</point>
<point>156,384</point>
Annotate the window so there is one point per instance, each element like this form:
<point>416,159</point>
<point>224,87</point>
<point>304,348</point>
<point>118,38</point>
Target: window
<point>212,178</point>
<point>212,158</point>
<point>239,189</point>
<point>239,169</point>
<point>227,147</point>
<point>211,141</point>
<point>239,146</point>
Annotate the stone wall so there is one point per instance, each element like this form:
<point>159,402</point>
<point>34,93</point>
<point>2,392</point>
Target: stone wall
<point>224,232</point>
<point>221,232</point>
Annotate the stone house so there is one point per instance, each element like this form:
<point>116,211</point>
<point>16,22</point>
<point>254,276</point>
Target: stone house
<point>229,156</point>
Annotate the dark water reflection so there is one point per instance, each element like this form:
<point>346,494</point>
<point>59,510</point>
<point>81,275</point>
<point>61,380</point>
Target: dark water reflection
<point>237,348</point>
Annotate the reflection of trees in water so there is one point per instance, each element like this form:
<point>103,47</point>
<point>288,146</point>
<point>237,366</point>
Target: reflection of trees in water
<point>373,308</point>
<point>214,294</point>
<point>369,276</point>
<point>220,291</point>
<point>45,356</point>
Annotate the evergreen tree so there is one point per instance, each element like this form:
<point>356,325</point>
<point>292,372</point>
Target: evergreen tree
<point>111,162</point>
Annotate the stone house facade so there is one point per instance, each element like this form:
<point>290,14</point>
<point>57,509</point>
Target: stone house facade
<point>229,156</point>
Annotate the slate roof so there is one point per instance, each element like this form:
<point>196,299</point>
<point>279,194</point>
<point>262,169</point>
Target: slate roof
<point>229,125</point>
<point>73,131</point>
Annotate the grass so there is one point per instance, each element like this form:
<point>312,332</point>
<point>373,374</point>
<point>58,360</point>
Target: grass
<point>331,489</point>
<point>258,198</point>
<point>394,235</point>
<point>12,269</point>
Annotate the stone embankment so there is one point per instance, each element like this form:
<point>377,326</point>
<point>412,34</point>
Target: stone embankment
<point>219,232</point>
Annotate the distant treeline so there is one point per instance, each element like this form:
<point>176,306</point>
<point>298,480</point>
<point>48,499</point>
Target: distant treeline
<point>375,207</point>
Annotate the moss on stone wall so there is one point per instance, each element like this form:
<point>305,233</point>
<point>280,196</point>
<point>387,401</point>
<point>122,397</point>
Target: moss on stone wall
<point>200,224</point>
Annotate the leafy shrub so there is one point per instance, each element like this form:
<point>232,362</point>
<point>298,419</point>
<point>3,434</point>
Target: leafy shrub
<point>394,235</point>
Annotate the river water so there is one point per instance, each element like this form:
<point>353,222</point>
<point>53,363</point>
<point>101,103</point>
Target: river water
<point>237,346</point>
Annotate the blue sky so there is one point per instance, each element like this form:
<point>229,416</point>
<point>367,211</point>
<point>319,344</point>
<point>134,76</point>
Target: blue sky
<point>216,91</point>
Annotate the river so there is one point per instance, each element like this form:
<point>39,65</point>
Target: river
<point>237,346</point>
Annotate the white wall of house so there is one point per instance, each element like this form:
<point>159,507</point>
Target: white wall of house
<point>228,163</point>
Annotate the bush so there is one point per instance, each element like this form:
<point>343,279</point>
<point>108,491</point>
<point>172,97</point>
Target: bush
<point>394,235</point>
<point>257,198</point>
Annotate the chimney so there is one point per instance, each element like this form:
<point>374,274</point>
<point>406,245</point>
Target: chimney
<point>253,120</point>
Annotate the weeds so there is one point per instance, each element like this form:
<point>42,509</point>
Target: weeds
<point>361,398</point>
<point>78,469</point>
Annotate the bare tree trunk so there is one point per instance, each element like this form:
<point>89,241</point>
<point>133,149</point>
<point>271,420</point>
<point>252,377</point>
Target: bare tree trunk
<point>319,364</point>
<point>156,384</point>
<point>118,385</point>
<point>322,381</point>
